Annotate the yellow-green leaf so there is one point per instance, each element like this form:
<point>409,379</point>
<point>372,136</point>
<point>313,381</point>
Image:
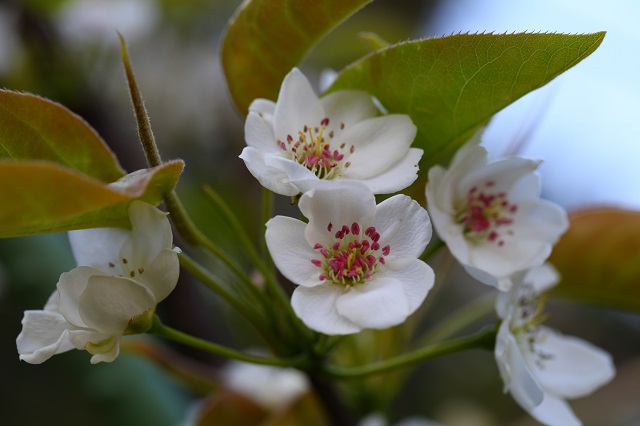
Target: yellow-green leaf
<point>451,85</point>
<point>599,258</point>
<point>266,38</point>
<point>39,197</point>
<point>34,128</point>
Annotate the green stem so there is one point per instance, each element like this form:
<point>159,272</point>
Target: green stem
<point>207,279</point>
<point>250,249</point>
<point>238,229</point>
<point>144,127</point>
<point>483,339</point>
<point>188,230</point>
<point>177,336</point>
<point>272,282</point>
<point>460,319</point>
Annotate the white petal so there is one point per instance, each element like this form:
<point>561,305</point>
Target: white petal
<point>297,106</point>
<point>397,177</point>
<point>440,196</point>
<point>347,107</point>
<point>501,282</point>
<point>327,77</point>
<point>380,303</point>
<point>469,158</point>
<point>505,302</point>
<point>43,335</point>
<point>98,246</point>
<point>274,179</point>
<point>79,338</point>
<point>108,303</point>
<point>161,276</point>
<point>298,175</point>
<point>263,106</point>
<point>539,220</point>
<point>554,411</point>
<point>576,367</point>
<point>291,252</point>
<point>316,307</point>
<point>515,372</point>
<point>338,203</point>
<point>258,133</point>
<point>53,303</point>
<point>271,387</point>
<point>502,261</point>
<point>71,286</point>
<point>503,173</point>
<point>403,225</point>
<point>541,278</point>
<point>108,351</point>
<point>417,279</point>
<point>379,143</point>
<point>150,234</point>
<point>526,187</point>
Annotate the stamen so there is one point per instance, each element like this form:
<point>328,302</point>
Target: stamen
<point>314,151</point>
<point>347,261</point>
<point>487,213</point>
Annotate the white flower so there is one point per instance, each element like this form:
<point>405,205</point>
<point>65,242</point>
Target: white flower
<point>272,388</point>
<point>121,277</point>
<point>379,420</point>
<point>540,367</point>
<point>294,143</point>
<point>490,214</point>
<point>355,263</point>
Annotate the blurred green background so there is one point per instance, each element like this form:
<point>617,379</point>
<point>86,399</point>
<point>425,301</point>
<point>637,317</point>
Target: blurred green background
<point>67,51</point>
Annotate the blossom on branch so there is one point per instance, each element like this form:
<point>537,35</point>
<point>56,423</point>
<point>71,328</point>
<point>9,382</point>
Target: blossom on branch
<point>540,367</point>
<point>302,139</point>
<point>355,262</point>
<point>121,276</point>
<point>491,216</point>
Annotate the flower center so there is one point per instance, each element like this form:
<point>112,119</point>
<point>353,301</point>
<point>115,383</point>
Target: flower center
<point>526,323</point>
<point>487,214</point>
<point>313,149</point>
<point>124,268</point>
<point>353,256</point>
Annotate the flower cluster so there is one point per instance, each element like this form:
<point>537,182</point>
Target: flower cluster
<point>356,263</point>
<point>121,276</point>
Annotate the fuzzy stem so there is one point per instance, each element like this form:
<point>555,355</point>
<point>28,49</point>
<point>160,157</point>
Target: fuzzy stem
<point>144,127</point>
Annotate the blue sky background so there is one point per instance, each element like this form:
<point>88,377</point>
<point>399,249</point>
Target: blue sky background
<point>585,124</point>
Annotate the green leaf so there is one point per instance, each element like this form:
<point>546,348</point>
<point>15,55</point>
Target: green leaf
<point>599,258</point>
<point>266,38</point>
<point>39,197</point>
<point>452,85</point>
<point>34,128</point>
